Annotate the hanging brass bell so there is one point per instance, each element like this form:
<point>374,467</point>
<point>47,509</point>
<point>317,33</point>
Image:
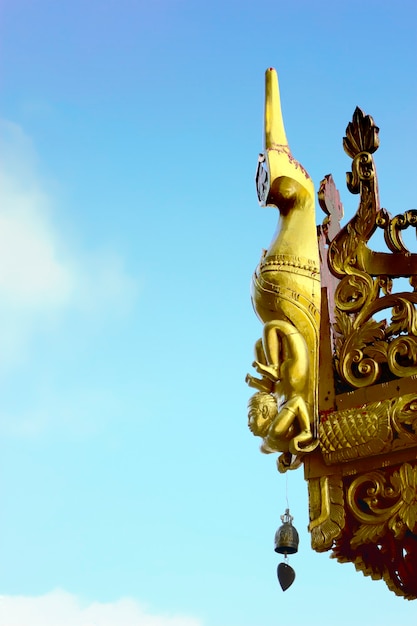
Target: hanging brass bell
<point>286,537</point>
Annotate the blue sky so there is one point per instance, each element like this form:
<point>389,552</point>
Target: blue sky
<point>131,489</point>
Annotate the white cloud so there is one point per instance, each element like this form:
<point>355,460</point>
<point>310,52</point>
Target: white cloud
<point>59,608</point>
<point>40,275</point>
<point>31,273</point>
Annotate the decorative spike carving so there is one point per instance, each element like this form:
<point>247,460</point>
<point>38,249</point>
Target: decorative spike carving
<point>361,134</point>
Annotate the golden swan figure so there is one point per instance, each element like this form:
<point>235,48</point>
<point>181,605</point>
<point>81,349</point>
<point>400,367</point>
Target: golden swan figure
<point>286,298</point>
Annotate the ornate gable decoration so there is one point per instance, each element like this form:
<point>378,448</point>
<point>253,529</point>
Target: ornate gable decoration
<point>363,482</point>
<point>338,355</point>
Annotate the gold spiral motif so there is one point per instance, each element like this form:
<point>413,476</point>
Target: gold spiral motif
<point>367,495</point>
<point>402,356</point>
<point>353,292</point>
<point>384,502</point>
<point>359,370</point>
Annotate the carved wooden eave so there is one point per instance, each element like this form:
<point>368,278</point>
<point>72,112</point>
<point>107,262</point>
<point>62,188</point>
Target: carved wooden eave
<point>337,360</point>
<point>363,477</point>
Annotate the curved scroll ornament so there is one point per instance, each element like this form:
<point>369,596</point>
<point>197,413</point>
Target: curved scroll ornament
<point>393,226</point>
<point>366,350</point>
<point>380,503</point>
<point>380,535</point>
<point>404,421</point>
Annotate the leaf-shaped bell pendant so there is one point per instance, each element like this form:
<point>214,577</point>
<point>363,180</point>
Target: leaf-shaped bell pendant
<point>286,542</point>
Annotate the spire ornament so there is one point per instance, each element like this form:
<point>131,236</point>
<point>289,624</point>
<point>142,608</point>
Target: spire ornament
<point>337,360</point>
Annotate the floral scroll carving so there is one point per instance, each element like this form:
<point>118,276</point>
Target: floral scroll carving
<point>369,349</point>
<point>363,481</point>
<point>380,503</point>
<point>380,534</point>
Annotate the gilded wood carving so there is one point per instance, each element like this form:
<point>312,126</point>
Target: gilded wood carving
<point>337,390</point>
<point>286,298</point>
